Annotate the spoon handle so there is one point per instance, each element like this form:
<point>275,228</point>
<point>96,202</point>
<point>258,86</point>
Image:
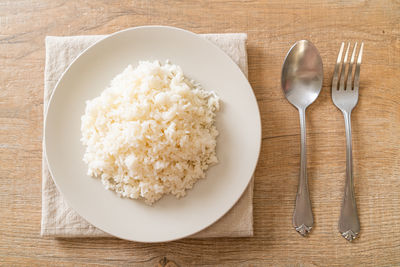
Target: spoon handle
<point>302,217</point>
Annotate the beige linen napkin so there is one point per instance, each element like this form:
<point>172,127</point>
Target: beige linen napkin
<point>58,220</point>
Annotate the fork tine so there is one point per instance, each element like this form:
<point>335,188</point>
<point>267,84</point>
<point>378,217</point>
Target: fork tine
<point>357,72</point>
<point>350,72</point>
<point>343,72</point>
<point>336,71</point>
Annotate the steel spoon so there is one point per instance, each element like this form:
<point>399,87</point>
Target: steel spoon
<point>302,75</point>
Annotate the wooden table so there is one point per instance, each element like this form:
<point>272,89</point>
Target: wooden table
<point>272,28</point>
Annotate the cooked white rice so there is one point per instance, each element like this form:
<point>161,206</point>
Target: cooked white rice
<point>150,133</point>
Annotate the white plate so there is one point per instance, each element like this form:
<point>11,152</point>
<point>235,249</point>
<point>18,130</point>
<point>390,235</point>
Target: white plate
<point>238,144</point>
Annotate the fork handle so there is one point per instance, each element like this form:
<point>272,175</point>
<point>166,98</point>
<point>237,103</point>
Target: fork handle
<point>349,224</point>
<point>302,216</point>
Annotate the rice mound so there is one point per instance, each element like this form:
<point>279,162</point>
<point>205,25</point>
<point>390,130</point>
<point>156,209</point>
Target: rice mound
<point>151,132</point>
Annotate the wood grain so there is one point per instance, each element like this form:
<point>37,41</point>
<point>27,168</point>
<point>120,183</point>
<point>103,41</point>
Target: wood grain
<point>272,27</point>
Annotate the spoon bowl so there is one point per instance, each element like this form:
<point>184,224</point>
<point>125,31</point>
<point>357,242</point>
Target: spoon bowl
<point>302,74</point>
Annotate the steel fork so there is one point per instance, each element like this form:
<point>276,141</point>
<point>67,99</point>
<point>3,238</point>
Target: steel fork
<point>346,98</point>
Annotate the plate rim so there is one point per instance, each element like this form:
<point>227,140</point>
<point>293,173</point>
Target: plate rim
<point>107,36</point>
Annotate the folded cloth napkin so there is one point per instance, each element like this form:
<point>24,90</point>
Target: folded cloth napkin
<point>58,220</point>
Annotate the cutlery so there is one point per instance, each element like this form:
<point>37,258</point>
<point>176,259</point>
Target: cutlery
<point>302,75</point>
<point>345,98</point>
